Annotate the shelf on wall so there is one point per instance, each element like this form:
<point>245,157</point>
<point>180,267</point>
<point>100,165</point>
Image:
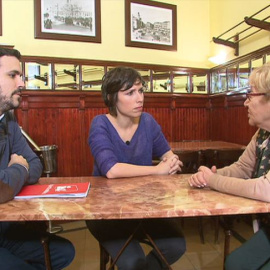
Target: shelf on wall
<point>234,40</point>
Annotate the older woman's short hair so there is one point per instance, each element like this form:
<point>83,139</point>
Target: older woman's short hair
<point>115,80</point>
<point>260,78</point>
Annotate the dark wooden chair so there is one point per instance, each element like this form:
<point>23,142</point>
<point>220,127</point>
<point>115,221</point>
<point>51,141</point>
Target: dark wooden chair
<point>45,244</point>
<point>191,161</point>
<point>106,260</point>
<point>220,157</point>
<point>226,157</point>
<point>41,228</point>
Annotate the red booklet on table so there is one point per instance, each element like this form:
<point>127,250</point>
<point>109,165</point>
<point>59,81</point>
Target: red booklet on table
<point>70,190</point>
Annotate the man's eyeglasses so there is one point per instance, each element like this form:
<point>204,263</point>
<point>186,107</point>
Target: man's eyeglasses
<point>251,94</point>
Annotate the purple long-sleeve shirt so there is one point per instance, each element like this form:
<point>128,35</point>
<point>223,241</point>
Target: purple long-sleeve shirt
<point>108,148</point>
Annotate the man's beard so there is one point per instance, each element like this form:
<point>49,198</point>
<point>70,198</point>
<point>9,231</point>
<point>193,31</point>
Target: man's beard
<point>7,104</point>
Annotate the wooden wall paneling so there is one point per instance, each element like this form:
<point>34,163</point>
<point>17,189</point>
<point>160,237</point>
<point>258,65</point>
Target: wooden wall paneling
<point>236,100</point>
<point>191,101</point>
<point>219,123</point>
<point>34,124</point>
<point>164,118</point>
<point>239,130</point>
<point>68,142</point>
<point>218,117</point>
<point>54,119</point>
<point>191,120</point>
<point>53,101</point>
<point>229,121</point>
<point>59,127</point>
<point>191,124</point>
<point>94,100</point>
<point>86,160</point>
<point>159,106</point>
<point>24,113</point>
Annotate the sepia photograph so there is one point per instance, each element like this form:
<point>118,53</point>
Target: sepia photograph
<point>150,25</point>
<point>77,20</point>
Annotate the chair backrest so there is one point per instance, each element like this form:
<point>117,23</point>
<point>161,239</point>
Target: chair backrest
<point>209,157</point>
<point>221,157</point>
<point>226,157</point>
<point>191,161</point>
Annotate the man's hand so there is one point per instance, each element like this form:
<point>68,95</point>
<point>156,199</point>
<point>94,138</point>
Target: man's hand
<point>16,159</point>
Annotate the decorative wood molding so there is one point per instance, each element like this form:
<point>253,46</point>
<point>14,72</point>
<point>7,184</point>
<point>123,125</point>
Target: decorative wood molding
<point>6,45</point>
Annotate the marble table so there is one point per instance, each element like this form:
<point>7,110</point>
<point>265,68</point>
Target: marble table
<point>203,145</point>
<point>126,198</point>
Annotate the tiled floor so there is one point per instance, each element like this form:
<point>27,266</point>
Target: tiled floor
<point>208,256</point>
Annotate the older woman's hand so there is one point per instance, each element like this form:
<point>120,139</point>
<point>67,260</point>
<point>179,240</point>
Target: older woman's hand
<point>201,178</point>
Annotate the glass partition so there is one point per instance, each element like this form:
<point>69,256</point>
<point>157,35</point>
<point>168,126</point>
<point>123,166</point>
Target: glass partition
<point>146,75</point>
<point>181,83</point>
<point>243,74</point>
<point>199,84</point>
<point>223,83</point>
<point>38,76</point>
<point>267,58</point>
<point>92,77</point>
<point>161,81</point>
<point>66,77</point>
<point>214,82</point>
<point>232,73</point>
<point>256,63</point>
<point>219,81</point>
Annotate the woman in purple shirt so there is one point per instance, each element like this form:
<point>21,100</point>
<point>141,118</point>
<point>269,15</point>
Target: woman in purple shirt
<point>123,143</point>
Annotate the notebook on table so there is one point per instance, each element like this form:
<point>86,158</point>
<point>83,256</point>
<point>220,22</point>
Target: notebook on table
<point>69,190</point>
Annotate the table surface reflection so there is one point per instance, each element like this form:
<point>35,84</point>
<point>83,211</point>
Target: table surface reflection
<point>127,198</point>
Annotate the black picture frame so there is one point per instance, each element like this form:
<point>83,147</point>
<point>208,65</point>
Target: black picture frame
<point>79,21</point>
<point>151,24</point>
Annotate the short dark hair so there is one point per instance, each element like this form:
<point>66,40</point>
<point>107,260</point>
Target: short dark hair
<point>10,52</point>
<point>116,79</point>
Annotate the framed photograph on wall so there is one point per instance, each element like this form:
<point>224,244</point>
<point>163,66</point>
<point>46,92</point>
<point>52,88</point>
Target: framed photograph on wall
<point>151,24</point>
<point>76,20</point>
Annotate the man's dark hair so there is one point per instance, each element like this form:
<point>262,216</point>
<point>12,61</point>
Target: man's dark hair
<point>10,52</point>
<point>116,79</point>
